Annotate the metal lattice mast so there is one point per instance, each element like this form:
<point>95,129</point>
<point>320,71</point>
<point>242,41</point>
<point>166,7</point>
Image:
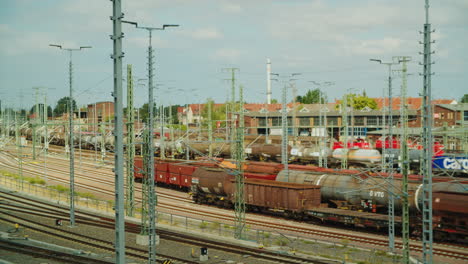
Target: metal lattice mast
<point>103,141</point>
<point>162,147</point>
<point>344,124</point>
<point>427,235</point>
<point>147,157</point>
<point>70,128</point>
<point>388,160</point>
<point>151,188</point>
<point>294,125</point>
<point>117,56</point>
<point>130,195</point>
<point>404,161</point>
<point>71,144</point>
<point>20,152</point>
<point>239,144</point>
<point>35,123</point>
<point>210,129</point>
<point>284,131</point>
<point>232,110</point>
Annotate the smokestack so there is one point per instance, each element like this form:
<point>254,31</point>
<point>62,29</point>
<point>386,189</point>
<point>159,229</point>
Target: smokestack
<point>268,81</point>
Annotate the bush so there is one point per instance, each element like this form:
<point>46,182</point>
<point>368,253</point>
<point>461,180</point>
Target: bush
<point>60,188</point>
<point>203,225</point>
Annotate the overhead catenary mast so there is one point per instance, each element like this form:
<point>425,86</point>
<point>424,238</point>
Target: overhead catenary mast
<point>427,235</point>
<point>268,68</point>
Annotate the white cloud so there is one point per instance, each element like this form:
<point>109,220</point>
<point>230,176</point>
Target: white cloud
<point>207,33</point>
<point>231,8</point>
<point>228,54</point>
<point>374,46</point>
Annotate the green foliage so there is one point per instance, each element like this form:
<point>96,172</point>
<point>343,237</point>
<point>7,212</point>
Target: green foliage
<point>40,107</point>
<point>274,101</point>
<point>36,180</point>
<point>60,188</point>
<point>144,112</point>
<point>62,106</point>
<point>312,97</point>
<point>218,113</point>
<point>464,99</point>
<point>359,102</point>
<point>203,225</point>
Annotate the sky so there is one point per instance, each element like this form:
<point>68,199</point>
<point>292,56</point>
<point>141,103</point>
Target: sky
<point>324,40</point>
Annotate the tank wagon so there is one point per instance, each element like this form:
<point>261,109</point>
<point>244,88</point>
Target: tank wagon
<point>368,193</point>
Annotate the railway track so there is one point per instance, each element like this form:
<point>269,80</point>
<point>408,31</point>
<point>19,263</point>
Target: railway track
<point>226,217</point>
<point>35,208</point>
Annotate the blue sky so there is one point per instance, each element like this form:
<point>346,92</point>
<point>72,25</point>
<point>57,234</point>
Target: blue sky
<point>324,40</point>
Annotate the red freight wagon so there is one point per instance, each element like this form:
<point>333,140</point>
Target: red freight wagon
<point>138,168</point>
<point>260,176</point>
<point>174,179</point>
<point>162,175</point>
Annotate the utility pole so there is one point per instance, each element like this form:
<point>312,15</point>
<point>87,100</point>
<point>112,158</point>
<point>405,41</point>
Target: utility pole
<point>117,56</point>
<point>210,130</point>
<point>427,232</point>
<point>344,124</point>
<point>36,122</point>
<point>149,183</point>
<point>232,109</point>
<point>162,148</point>
<point>240,202</point>
<point>388,164</point>
<point>71,137</point>
<point>130,197</point>
<point>268,81</point>
<point>404,160</point>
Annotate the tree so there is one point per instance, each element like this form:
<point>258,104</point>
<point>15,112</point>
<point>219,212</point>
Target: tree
<point>359,102</point>
<point>274,101</point>
<point>312,97</point>
<point>218,113</point>
<point>464,99</point>
<point>40,107</point>
<point>144,112</point>
<point>62,106</point>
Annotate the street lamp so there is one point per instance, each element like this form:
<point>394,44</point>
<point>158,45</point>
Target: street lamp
<point>391,199</point>
<point>151,189</point>
<point>70,119</point>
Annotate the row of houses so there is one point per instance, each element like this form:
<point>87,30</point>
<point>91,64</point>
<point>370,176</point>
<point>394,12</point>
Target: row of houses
<point>265,118</point>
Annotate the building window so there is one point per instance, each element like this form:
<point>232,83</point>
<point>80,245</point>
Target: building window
<point>359,121</point>
<point>276,121</point>
<point>290,121</point>
<point>332,121</point>
<point>465,115</point>
<point>372,120</point>
<point>304,121</point>
<point>316,121</point>
<point>262,121</point>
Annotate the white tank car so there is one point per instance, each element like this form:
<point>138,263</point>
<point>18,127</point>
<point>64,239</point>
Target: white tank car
<point>358,155</point>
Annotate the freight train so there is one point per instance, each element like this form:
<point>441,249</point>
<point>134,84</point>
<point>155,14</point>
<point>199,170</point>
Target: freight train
<point>359,153</point>
<point>347,197</point>
<point>344,198</point>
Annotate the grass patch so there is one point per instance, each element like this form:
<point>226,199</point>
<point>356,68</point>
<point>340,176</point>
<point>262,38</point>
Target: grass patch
<point>215,225</point>
<point>59,188</point>
<point>281,241</point>
<point>203,225</point>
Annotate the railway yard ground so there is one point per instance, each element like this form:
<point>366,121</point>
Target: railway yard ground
<point>184,227</point>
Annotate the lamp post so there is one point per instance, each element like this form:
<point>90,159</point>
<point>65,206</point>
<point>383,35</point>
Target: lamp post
<point>284,121</point>
<point>70,120</point>
<point>151,187</point>
<point>391,198</point>
<point>323,122</point>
